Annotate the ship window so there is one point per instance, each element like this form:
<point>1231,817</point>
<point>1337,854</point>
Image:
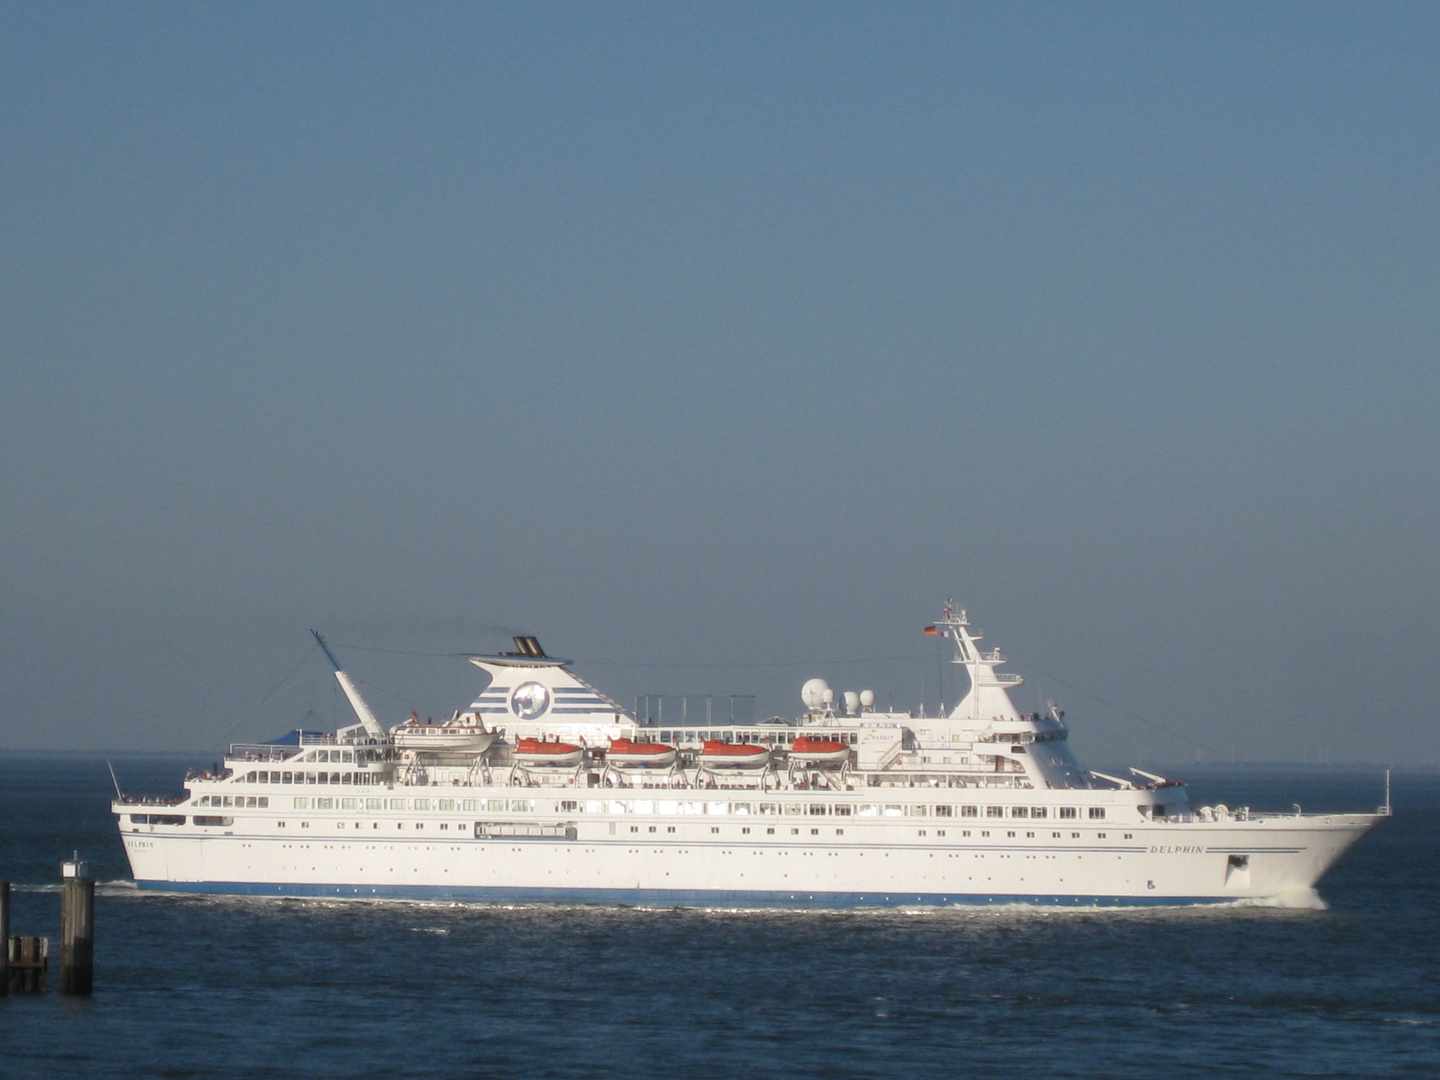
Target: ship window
<point>652,829</point>
<point>841,810</point>
<point>201,819</point>
<point>1129,836</point>
<point>714,828</point>
<point>374,804</point>
<point>984,832</point>
<point>1067,812</point>
<point>769,832</point>
<point>767,808</point>
<point>470,804</point>
<point>1074,836</point>
<point>894,810</point>
<point>397,804</point>
<point>865,810</point>
<point>496,804</point>
<point>1100,836</point>
<point>671,828</point>
<point>794,808</point>
<point>302,802</point>
<point>1037,811</point>
<point>745,831</point>
<point>285,778</point>
<point>839,832</point>
<point>346,755</point>
<point>794,832</point>
<point>250,777</point>
<point>939,832</point>
<point>250,801</point>
<point>522,804</point>
<point>740,808</point>
<point>349,804</point>
<point>567,806</point>
<point>994,811</point>
<point>310,778</point>
<point>1010,833</point>
<point>944,811</point>
<point>347,778</point>
<point>422,804</point>
<point>969,811</point>
<point>814,832</point>
<point>1019,811</point>
<point>818,808</point>
<point>325,804</point>
<point>964,832</point>
<point>1097,813</point>
<point>334,778</point>
<point>920,832</point>
<point>717,808</point>
<point>446,804</point>
<point>1030,834</point>
<point>634,828</point>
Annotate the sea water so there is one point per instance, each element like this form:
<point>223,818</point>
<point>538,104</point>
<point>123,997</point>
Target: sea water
<point>1343,984</point>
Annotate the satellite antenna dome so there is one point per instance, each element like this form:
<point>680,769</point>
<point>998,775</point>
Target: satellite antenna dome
<point>828,696</point>
<point>852,703</point>
<point>867,699</point>
<point>813,693</point>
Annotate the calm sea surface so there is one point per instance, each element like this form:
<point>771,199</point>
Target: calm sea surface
<point>191,986</point>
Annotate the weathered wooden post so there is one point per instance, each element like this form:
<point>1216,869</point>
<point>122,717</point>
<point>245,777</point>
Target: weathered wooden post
<point>77,928</point>
<point>4,938</point>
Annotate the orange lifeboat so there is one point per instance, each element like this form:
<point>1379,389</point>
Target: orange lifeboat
<point>636,754</point>
<point>812,751</point>
<point>723,755</point>
<point>547,753</point>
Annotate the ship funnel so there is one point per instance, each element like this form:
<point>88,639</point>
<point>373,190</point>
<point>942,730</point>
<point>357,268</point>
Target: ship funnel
<point>529,645</point>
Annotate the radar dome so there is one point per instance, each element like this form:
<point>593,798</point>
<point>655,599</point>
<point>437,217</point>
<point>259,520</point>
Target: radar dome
<point>867,699</point>
<point>813,693</point>
<point>852,703</point>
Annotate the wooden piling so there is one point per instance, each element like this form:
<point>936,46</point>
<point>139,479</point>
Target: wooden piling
<point>77,931</point>
<point>29,964</point>
<point>4,938</point>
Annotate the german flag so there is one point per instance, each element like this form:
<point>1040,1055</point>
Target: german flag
<point>931,630</point>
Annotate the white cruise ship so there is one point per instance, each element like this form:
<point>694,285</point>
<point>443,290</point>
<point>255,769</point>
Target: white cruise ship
<point>544,789</point>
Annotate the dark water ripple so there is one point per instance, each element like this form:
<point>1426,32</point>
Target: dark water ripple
<point>193,986</point>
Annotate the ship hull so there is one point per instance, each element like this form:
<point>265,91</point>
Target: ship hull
<point>1189,863</point>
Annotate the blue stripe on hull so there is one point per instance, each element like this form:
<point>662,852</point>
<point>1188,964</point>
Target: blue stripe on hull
<point>738,898</point>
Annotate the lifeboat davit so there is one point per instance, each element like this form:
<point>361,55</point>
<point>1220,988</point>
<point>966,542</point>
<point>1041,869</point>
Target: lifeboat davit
<point>634,754</point>
<point>547,753</point>
<point>723,755</point>
<point>811,751</point>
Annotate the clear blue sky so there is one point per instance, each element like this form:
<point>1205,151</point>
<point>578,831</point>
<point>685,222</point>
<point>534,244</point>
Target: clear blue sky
<point>684,334</point>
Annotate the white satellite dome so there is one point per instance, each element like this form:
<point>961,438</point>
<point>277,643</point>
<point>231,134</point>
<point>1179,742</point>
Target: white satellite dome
<point>852,703</point>
<point>867,699</point>
<point>813,693</point>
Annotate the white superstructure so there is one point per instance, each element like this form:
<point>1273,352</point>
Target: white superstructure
<point>544,789</point>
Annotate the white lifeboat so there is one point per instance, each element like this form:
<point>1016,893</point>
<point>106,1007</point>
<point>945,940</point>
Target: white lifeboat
<point>636,754</point>
<point>723,755</point>
<point>459,735</point>
<point>547,753</point>
<point>808,750</point>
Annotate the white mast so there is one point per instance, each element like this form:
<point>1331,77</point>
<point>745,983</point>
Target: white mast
<point>989,694</point>
<point>367,718</point>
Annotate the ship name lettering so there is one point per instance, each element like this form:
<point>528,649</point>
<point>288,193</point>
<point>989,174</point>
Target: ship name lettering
<point>1176,849</point>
